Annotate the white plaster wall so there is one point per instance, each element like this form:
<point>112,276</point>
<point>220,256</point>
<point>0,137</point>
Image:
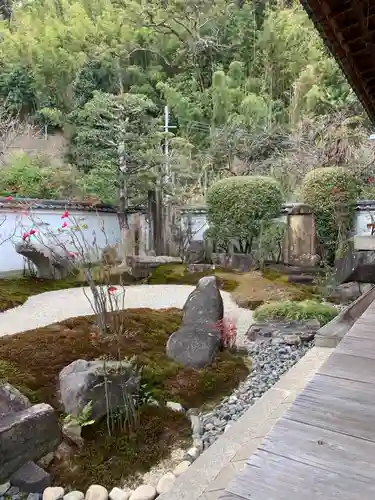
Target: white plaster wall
<point>199,224</point>
<point>362,219</point>
<point>47,221</point>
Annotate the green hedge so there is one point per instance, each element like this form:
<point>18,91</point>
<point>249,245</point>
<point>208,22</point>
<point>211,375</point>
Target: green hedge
<point>238,207</point>
<point>332,193</point>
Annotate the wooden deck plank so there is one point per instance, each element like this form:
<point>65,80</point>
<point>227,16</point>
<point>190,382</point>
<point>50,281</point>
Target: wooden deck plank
<point>337,405</point>
<point>324,447</point>
<point>355,346</point>
<point>272,477</point>
<point>363,330</point>
<point>356,368</point>
<point>333,452</point>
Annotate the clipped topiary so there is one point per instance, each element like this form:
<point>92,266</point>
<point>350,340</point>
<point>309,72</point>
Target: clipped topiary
<point>238,208</point>
<point>332,193</point>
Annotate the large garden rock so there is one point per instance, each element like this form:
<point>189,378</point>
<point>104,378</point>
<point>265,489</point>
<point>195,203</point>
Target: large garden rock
<point>51,262</point>
<point>196,342</point>
<point>102,383</point>
<point>27,435</point>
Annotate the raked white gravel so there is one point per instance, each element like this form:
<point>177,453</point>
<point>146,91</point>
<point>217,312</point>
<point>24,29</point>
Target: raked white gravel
<point>51,307</point>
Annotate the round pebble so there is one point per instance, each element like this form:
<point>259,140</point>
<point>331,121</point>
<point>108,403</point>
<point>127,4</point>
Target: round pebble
<point>175,407</point>
<point>53,493</point>
<point>144,492</point>
<point>96,492</point>
<point>119,494</point>
<point>181,468</point>
<point>74,495</point>
<point>165,483</point>
<point>193,453</point>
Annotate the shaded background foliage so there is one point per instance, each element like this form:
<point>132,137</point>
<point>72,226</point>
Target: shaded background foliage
<point>250,86</point>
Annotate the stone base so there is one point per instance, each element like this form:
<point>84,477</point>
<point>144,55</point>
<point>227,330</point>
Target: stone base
<point>141,266</point>
<point>289,332</point>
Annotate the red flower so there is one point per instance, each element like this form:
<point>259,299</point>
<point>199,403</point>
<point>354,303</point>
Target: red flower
<point>65,214</point>
<point>31,232</point>
<point>65,224</point>
<point>93,336</point>
<point>71,255</point>
<point>112,289</point>
<point>335,189</point>
<point>9,198</point>
<point>25,236</point>
<point>370,180</point>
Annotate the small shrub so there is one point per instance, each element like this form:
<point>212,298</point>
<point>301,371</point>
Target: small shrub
<point>238,207</point>
<point>332,193</point>
<point>295,311</point>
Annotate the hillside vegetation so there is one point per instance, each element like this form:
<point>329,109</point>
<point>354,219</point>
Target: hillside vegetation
<point>251,89</point>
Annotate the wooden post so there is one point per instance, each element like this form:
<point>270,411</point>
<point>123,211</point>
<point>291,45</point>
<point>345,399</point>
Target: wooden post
<point>151,216</point>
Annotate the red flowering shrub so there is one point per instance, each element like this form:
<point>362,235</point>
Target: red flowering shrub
<point>228,332</point>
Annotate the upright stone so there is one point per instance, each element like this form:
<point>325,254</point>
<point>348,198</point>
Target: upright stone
<point>196,342</point>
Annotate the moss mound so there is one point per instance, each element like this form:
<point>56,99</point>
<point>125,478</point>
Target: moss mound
<point>109,460</point>
<point>31,361</point>
<point>172,274</point>
<point>295,311</point>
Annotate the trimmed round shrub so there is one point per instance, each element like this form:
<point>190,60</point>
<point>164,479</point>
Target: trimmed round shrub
<point>238,207</point>
<point>295,311</point>
<point>332,193</point>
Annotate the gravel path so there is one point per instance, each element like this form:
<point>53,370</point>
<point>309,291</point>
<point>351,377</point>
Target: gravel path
<point>51,307</point>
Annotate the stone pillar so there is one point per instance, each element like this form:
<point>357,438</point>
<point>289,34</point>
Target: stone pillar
<point>300,239</point>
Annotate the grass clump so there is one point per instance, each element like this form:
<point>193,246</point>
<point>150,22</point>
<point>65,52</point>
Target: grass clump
<point>177,274</point>
<point>295,311</point>
<point>109,460</point>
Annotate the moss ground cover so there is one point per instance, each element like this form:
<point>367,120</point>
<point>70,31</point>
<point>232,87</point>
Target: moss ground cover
<point>31,361</point>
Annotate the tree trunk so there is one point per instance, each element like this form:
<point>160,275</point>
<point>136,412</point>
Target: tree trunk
<point>125,231</point>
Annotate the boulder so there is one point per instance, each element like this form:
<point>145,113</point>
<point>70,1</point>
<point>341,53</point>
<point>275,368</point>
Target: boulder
<point>27,435</point>
<point>31,478</point>
<point>51,262</point>
<point>102,383</point>
<point>196,342</point>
